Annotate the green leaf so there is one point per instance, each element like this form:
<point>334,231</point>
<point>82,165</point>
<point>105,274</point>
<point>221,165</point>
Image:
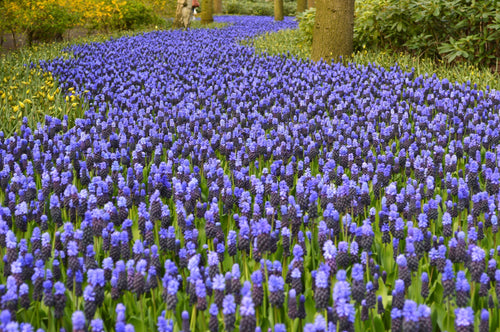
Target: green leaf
<point>138,324</point>
<point>438,316</point>
<point>310,308</point>
<point>436,292</point>
<point>378,324</point>
<point>399,27</point>
<point>452,56</point>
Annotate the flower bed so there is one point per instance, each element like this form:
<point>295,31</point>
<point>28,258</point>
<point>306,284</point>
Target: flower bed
<point>207,188</point>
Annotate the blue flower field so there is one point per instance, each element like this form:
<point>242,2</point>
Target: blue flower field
<point>210,189</point>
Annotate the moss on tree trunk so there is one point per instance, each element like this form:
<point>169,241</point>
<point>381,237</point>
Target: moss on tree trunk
<point>278,10</point>
<point>301,6</point>
<point>207,7</point>
<point>333,30</point>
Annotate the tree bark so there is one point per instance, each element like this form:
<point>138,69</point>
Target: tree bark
<point>333,30</point>
<point>301,6</point>
<point>178,15</point>
<point>311,4</point>
<point>217,6</point>
<point>278,10</point>
<point>207,11</point>
<point>183,14</point>
<point>14,39</point>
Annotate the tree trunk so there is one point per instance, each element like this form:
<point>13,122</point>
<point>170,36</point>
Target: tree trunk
<point>301,6</point>
<point>333,30</point>
<point>217,6</point>
<point>183,14</point>
<point>207,11</point>
<point>278,10</point>
<point>311,3</point>
<point>14,38</point>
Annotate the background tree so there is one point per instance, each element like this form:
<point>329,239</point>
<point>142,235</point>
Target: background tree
<point>311,3</point>
<point>217,6</point>
<point>278,10</point>
<point>333,30</point>
<point>207,11</point>
<point>301,6</point>
<point>10,19</point>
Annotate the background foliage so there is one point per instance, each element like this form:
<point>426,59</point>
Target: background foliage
<point>257,7</point>
<point>453,31</point>
<point>46,20</point>
<point>295,43</point>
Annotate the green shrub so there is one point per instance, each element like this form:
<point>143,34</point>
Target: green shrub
<point>170,8</point>
<point>455,31</point>
<point>306,23</point>
<point>235,8</point>
<point>257,8</point>
<point>262,10</point>
<point>49,23</point>
<point>135,15</point>
<point>289,8</point>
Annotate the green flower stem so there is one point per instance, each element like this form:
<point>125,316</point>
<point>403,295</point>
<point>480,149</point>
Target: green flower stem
<point>193,319</point>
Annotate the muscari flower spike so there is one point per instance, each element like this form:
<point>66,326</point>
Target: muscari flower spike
<point>78,321</point>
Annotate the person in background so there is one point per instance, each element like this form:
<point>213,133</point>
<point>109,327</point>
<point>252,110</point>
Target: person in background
<point>196,5</point>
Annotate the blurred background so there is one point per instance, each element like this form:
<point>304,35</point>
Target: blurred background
<point>25,22</point>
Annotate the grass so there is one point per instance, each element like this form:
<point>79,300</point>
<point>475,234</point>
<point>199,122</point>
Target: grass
<point>292,42</point>
<point>27,92</point>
